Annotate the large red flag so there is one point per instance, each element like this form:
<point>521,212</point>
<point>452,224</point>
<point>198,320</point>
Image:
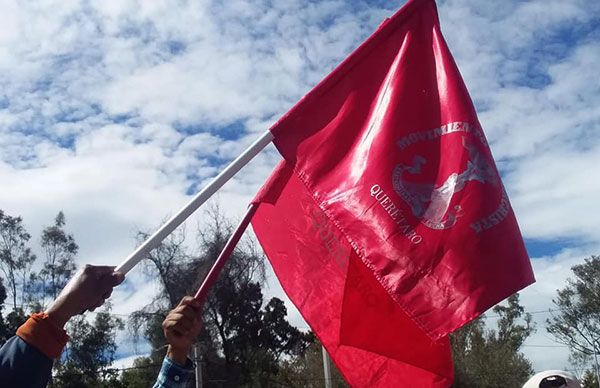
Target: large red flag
<point>389,226</point>
<point>369,337</point>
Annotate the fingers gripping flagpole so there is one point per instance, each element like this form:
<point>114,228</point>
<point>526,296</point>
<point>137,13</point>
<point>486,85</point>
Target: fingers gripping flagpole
<point>213,274</point>
<point>155,239</point>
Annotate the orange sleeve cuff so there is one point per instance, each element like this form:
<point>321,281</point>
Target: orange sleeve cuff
<point>39,332</point>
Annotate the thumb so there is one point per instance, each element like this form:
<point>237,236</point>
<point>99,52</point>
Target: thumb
<point>117,278</point>
<point>109,281</point>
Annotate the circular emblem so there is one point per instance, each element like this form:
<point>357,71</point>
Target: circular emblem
<point>430,200</point>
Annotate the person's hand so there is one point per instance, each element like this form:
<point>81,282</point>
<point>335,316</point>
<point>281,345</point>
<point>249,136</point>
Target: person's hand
<point>87,290</point>
<point>181,327</point>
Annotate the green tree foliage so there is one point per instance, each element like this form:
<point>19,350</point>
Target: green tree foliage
<point>245,338</point>
<point>90,352</point>
<point>165,264</point>
<point>253,338</point>
<point>60,250</point>
<point>16,258</point>
<point>590,380</point>
<point>5,332</point>
<point>10,322</point>
<point>577,324</point>
<point>92,346</point>
<point>491,357</point>
<point>142,374</point>
<point>307,370</point>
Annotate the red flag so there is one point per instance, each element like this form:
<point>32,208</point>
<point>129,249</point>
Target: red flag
<point>368,336</point>
<point>394,228</point>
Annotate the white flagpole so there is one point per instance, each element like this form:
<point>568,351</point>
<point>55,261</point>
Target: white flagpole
<point>225,175</point>
<point>326,368</point>
<point>198,369</point>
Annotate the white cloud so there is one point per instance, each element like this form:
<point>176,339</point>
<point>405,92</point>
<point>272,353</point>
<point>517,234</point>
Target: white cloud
<point>125,362</point>
<point>260,70</point>
<point>107,186</point>
<point>552,196</point>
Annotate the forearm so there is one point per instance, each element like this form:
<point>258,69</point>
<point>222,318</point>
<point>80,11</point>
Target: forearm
<point>58,313</point>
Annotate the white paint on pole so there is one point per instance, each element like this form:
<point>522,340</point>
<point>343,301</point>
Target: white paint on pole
<point>198,370</point>
<point>596,363</point>
<point>326,368</point>
<point>200,198</point>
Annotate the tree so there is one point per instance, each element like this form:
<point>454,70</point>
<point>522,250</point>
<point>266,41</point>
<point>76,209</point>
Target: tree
<point>142,374</point>
<point>491,357</point>
<point>244,339</point>
<point>253,338</point>
<point>90,352</point>
<point>60,250</point>
<point>307,370</point>
<point>590,380</point>
<point>167,264</point>
<point>165,261</point>
<point>15,257</point>
<point>14,319</point>
<point>5,332</point>
<point>92,345</point>
<point>578,323</point>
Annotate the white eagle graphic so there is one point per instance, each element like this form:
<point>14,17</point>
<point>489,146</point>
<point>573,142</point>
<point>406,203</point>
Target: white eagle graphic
<point>430,203</point>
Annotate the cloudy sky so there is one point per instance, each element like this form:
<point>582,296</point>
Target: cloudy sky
<point>117,111</point>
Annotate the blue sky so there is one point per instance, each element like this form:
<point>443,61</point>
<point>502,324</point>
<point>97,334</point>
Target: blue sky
<point>115,112</point>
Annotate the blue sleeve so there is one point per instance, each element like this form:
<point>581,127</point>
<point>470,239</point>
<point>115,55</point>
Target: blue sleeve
<point>22,365</point>
<point>173,375</point>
